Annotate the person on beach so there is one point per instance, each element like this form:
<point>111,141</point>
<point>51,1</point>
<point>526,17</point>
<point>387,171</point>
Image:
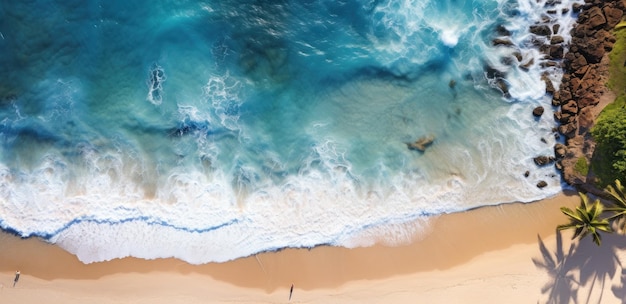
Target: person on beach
<point>17,277</point>
<point>290,292</point>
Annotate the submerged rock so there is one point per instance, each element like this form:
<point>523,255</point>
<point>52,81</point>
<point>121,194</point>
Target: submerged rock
<point>422,143</point>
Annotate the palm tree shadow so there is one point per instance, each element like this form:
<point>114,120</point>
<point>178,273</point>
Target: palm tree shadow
<point>591,264</point>
<point>619,291</point>
<point>598,263</point>
<point>562,287</point>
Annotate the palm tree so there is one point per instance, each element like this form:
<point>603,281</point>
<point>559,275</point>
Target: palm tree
<point>619,205</point>
<point>586,220</point>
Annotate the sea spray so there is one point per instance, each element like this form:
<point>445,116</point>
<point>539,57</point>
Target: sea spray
<point>216,131</point>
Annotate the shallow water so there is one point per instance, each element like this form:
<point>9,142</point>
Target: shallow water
<point>211,130</point>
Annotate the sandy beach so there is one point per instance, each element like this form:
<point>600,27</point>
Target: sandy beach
<point>502,254</point>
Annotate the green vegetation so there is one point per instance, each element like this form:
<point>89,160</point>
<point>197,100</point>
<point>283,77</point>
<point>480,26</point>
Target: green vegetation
<point>586,220</point>
<point>581,166</point>
<point>609,132</point>
<point>617,69</point>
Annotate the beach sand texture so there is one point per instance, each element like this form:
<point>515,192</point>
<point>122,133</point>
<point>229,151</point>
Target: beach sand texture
<point>503,254</point>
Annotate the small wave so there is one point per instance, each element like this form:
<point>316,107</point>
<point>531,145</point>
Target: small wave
<point>223,93</point>
<point>155,84</point>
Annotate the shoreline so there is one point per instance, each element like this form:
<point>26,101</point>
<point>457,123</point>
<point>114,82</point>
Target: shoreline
<point>485,254</point>
<point>457,242</point>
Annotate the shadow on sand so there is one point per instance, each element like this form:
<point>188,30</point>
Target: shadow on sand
<point>584,273</point>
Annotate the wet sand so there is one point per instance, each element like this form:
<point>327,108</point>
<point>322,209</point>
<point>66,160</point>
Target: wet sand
<point>487,255</point>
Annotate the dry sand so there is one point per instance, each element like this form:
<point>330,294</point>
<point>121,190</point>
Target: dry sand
<point>502,254</point>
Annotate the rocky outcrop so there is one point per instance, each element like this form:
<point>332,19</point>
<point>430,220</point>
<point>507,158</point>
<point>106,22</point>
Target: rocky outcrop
<point>560,150</point>
<point>583,82</point>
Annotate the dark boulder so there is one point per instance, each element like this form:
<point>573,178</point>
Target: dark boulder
<point>556,39</point>
<point>543,160</point>
<point>596,17</point>
<point>502,41</point>
<point>540,30</point>
<point>613,16</point>
<point>541,184</point>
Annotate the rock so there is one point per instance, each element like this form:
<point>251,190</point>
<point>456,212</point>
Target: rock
<point>502,31</point>
<point>613,16</point>
<point>559,166</point>
<point>509,60</point>
<point>577,62</point>
<point>503,86</point>
<point>582,71</point>
<point>527,173</point>
<point>556,39</point>
<point>556,51</point>
<point>549,64</point>
<point>574,83</point>
<point>577,7</point>
<point>540,30</point>
<point>585,118</point>
<point>502,41</point>
<point>596,17</point>
<point>422,143</point>
<point>570,107</point>
<point>543,160</point>
<point>526,66</point>
<point>563,118</point>
<point>549,86</point>
<point>592,50</point>
<point>569,129</point>
<point>541,184</point>
<point>588,100</point>
<point>560,150</point>
<point>565,94</point>
<point>538,111</point>
<point>551,3</point>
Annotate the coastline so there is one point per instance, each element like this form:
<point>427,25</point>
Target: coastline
<point>482,255</point>
<point>467,254</point>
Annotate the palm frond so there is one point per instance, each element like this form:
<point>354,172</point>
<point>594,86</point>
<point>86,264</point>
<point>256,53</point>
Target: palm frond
<point>617,193</point>
<point>586,220</point>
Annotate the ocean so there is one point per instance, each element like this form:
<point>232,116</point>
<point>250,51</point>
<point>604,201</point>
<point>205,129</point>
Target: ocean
<point>213,130</point>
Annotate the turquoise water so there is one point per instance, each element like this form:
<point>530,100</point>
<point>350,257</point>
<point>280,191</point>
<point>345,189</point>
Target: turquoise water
<point>212,130</point>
